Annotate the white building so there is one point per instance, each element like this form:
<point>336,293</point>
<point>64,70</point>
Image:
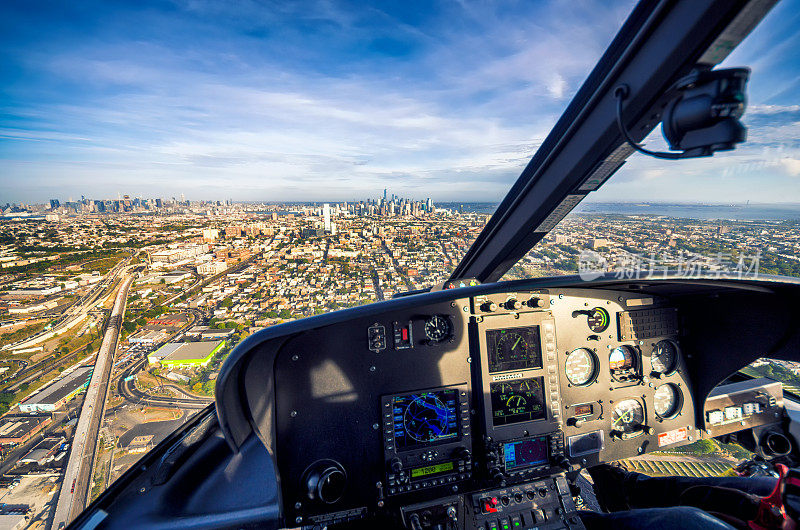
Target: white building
<point>212,267</point>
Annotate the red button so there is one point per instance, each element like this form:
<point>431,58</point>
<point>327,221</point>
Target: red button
<point>405,333</point>
<point>494,501</point>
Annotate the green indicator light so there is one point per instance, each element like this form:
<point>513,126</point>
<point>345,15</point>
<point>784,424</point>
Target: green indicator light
<point>505,526</point>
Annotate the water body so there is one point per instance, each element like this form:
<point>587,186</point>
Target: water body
<point>738,212</point>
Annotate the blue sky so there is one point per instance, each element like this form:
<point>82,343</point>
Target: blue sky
<point>326,100</point>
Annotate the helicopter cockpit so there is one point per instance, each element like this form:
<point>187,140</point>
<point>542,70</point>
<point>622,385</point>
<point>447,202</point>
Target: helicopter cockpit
<point>478,403</point>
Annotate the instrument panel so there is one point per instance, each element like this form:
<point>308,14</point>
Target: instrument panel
<point>495,391</point>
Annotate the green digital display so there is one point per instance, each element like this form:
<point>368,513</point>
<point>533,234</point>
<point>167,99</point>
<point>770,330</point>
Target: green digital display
<point>431,470</point>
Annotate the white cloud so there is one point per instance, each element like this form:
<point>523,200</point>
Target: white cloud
<point>791,166</point>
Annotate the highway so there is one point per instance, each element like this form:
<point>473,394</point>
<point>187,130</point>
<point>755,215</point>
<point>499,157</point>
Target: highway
<point>76,313</point>
<point>128,390</point>
<point>74,491</point>
<point>127,387</point>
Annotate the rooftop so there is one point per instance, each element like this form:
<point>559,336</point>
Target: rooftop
<point>189,351</point>
<point>19,426</point>
<point>61,388</point>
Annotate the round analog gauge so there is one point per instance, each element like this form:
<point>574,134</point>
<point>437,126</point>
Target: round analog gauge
<point>665,357</point>
<point>437,328</point>
<point>667,400</point>
<point>580,367</point>
<point>627,416</point>
<point>622,358</point>
<point>511,347</point>
<point>598,319</point>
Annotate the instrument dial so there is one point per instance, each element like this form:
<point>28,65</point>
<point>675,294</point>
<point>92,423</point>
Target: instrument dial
<point>665,357</point>
<point>511,347</point>
<point>667,400</point>
<point>624,363</point>
<point>580,367</point>
<point>598,319</point>
<point>627,416</point>
<point>437,328</point>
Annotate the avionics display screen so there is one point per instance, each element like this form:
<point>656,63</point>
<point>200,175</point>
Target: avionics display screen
<point>431,470</point>
<point>513,349</point>
<point>526,453</point>
<point>518,401</point>
<point>427,418</point>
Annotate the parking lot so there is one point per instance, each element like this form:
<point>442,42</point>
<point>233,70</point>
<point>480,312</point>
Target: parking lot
<point>35,491</point>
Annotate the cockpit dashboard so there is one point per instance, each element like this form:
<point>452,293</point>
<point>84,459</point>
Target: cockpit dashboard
<point>472,411</point>
<point>468,408</point>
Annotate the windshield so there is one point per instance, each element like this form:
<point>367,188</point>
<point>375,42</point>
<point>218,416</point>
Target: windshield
<point>734,213</point>
<point>177,177</point>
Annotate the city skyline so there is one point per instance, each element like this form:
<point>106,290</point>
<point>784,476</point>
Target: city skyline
<point>325,102</point>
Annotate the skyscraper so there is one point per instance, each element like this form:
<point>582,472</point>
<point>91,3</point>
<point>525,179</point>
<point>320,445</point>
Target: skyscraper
<point>54,204</point>
<point>326,215</point>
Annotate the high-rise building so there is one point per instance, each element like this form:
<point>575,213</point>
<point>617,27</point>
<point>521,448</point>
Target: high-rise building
<point>54,204</point>
<point>326,215</point>
<point>210,235</point>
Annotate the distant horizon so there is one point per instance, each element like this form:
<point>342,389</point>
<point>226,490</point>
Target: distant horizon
<point>417,199</point>
<point>321,101</point>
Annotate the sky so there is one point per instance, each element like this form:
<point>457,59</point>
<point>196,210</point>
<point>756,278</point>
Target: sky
<point>327,101</point>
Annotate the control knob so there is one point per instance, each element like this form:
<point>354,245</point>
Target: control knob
<point>574,422</point>
<point>488,306</point>
<point>497,476</point>
<point>563,463</point>
<point>513,304</point>
<point>534,302</point>
<point>396,465</point>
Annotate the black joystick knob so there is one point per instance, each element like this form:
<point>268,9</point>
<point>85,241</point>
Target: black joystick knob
<point>563,463</point>
<point>325,481</point>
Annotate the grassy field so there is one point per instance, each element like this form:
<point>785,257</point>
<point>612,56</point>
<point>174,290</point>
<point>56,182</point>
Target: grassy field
<point>21,333</point>
<point>703,458</point>
<point>662,468</point>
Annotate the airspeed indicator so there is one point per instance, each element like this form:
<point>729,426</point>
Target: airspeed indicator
<point>580,367</point>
